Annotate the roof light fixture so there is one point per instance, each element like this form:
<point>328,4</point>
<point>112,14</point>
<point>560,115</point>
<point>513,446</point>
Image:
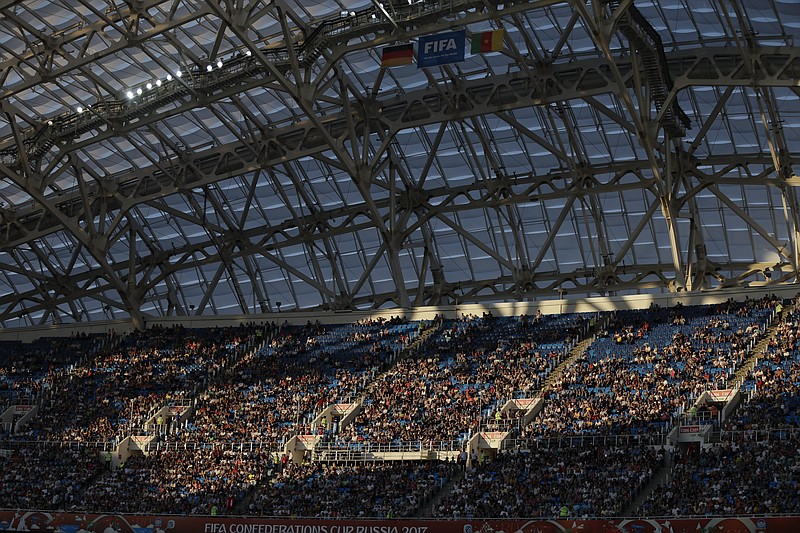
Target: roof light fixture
<point>79,109</point>
<point>149,85</point>
<point>219,63</point>
<point>158,83</point>
<point>169,77</point>
<point>178,73</point>
<point>209,68</point>
<point>139,90</point>
<point>129,94</point>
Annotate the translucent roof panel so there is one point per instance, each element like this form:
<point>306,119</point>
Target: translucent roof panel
<point>208,161</point>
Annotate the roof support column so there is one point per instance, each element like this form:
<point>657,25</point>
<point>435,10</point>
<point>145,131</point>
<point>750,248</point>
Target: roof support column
<point>602,28</point>
<point>394,241</point>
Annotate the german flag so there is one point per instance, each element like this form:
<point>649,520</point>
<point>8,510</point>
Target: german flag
<point>488,41</point>
<point>394,56</point>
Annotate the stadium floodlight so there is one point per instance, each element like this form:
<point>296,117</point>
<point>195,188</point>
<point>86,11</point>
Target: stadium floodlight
<point>129,94</point>
<point>139,90</point>
<point>219,63</point>
<point>79,109</point>
<point>209,68</point>
<point>158,83</point>
<point>248,53</point>
<point>178,73</point>
<point>149,85</point>
<point>169,77</point>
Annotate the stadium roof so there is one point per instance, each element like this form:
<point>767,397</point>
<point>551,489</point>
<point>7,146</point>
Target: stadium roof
<point>610,147</point>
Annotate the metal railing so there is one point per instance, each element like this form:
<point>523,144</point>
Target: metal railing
<point>391,447</point>
<point>760,435</point>
<point>108,445</point>
<point>580,441</point>
<point>248,446</point>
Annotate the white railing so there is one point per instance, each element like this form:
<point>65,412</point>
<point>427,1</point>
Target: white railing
<point>391,447</point>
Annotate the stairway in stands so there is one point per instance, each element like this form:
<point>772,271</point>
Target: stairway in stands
<point>750,363</point>
<point>760,349</point>
<point>577,351</point>
<point>662,476</point>
<point>426,509</point>
<point>408,351</point>
<point>422,337</point>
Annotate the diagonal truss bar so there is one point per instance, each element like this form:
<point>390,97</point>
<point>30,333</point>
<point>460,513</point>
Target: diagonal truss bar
<point>33,58</point>
<point>266,241</point>
<point>741,213</point>
<point>278,145</point>
<point>416,20</point>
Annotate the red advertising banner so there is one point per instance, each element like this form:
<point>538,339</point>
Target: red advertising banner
<point>525,403</point>
<point>720,395</point>
<point>492,438</point>
<point>308,440</point>
<point>22,409</point>
<point>97,523</point>
<point>690,429</point>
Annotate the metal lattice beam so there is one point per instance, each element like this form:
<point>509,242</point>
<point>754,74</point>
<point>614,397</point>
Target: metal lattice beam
<point>471,98</point>
<point>437,203</point>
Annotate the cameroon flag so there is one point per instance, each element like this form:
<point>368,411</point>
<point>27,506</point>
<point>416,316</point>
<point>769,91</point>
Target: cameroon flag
<point>488,41</point>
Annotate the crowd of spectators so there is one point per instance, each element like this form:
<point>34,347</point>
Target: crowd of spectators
<point>742,477</point>
<point>26,370</point>
<point>113,392</point>
<point>46,477</point>
<point>271,400</point>
<point>270,395</point>
<point>589,481</point>
<point>773,386</point>
<point>238,396</point>
<point>363,490</point>
<point>646,369</point>
<point>460,377</point>
<point>178,481</point>
<point>754,469</point>
<point>649,369</point>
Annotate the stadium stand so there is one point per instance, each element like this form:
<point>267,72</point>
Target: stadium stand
<point>366,489</point>
<point>753,469</point>
<point>461,377</point>
<point>517,179</point>
<point>589,481</point>
<point>248,391</point>
<point>649,368</point>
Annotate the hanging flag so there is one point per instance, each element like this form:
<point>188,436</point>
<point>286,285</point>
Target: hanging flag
<point>488,41</point>
<point>397,55</point>
<point>440,49</point>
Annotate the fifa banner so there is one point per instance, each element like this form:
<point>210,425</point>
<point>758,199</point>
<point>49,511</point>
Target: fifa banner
<point>110,523</point>
<point>440,49</point>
